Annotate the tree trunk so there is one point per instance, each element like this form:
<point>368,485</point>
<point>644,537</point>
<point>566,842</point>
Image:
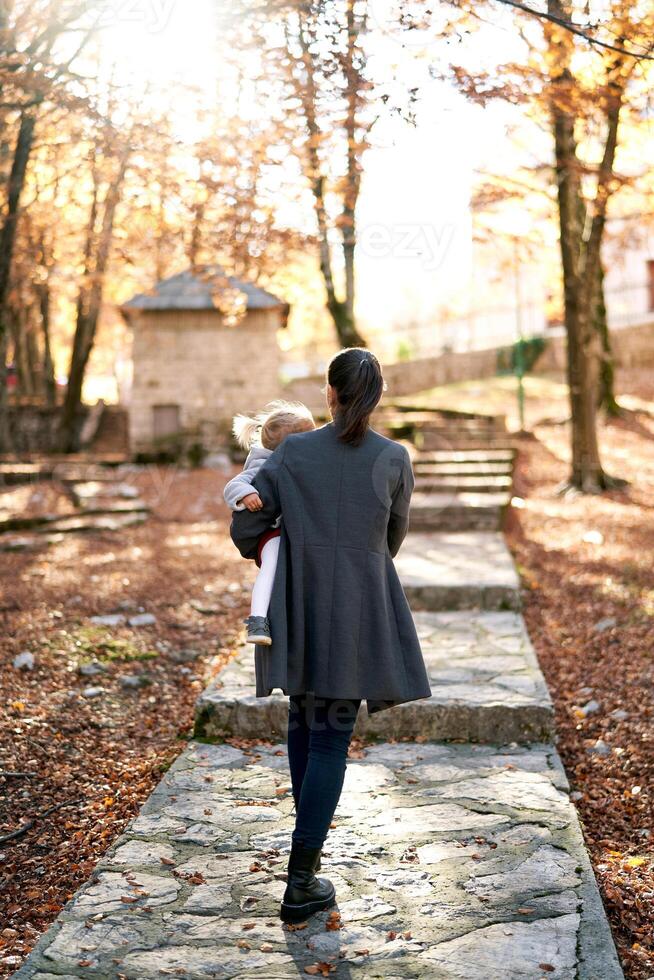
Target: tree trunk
<point>49,381</point>
<point>17,322</point>
<point>586,471</point>
<point>607,400</point>
<point>88,310</point>
<point>22,152</point>
<point>341,312</point>
<point>353,176</point>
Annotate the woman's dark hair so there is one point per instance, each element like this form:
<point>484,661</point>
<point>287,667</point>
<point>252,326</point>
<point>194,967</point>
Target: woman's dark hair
<point>356,377</point>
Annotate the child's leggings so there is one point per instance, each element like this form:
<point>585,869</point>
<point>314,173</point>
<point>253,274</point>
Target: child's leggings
<point>319,733</point>
<point>263,586</point>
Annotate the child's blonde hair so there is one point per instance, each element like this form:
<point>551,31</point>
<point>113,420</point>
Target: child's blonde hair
<point>278,420</point>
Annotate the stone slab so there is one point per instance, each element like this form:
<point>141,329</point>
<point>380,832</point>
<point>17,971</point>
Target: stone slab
<point>470,468</point>
<point>433,511</point>
<point>481,483</point>
<point>429,441</point>
<point>466,456</point>
<point>464,570</point>
<point>453,862</point>
<point>485,680</point>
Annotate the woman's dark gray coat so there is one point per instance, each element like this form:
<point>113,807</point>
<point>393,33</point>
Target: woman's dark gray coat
<point>340,621</point>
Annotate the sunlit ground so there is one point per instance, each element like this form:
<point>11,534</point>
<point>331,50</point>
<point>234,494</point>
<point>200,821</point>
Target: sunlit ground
<point>545,397</point>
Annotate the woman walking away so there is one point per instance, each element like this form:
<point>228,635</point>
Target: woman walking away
<point>342,631</point>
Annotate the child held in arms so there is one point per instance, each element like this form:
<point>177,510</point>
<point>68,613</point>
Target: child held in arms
<point>261,435</point>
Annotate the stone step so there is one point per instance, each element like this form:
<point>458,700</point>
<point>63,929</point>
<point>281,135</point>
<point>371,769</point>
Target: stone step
<point>430,418</point>
<point>440,412</point>
<point>49,523</point>
<point>464,570</point>
<point>470,429</point>
<point>485,681</point>
<point>82,523</point>
<point>482,483</point>
<point>506,456</point>
<point>458,511</point>
<point>472,468</point>
<point>100,493</point>
<point>436,441</point>
<point>452,862</point>
<point>75,473</point>
<point>14,474</point>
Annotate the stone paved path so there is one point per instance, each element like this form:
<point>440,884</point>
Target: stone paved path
<point>450,861</point>
<point>486,686</point>
<point>458,859</point>
<point>463,570</point>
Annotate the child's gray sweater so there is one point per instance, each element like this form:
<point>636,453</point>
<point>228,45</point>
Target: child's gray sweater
<point>240,486</point>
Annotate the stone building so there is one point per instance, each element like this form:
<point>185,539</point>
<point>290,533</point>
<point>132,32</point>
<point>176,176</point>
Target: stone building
<point>204,348</point>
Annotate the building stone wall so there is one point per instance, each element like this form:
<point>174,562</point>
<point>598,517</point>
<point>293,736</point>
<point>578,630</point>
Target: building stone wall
<point>211,371</point>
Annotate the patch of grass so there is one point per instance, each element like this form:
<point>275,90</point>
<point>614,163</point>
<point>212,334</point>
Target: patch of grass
<point>98,643</point>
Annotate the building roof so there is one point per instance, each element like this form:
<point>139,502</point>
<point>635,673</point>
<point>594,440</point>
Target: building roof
<point>202,289</point>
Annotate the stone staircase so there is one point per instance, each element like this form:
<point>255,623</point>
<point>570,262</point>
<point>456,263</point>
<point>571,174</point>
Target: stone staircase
<point>102,495</point>
<point>456,852</point>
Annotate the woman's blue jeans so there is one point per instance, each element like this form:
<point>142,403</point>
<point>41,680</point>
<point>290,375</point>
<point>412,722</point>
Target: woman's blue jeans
<point>319,734</point>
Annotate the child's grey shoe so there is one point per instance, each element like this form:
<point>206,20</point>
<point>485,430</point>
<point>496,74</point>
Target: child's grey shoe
<point>258,630</point>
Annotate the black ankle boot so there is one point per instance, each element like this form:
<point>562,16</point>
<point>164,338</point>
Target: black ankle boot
<point>305,894</point>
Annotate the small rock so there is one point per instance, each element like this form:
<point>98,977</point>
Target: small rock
<point>133,682</point>
<point>92,692</point>
<point>24,661</point>
<point>575,796</point>
<point>620,714</point>
<point>92,669</point>
<point>143,619</point>
<point>590,708</point>
<point>204,608</point>
<point>19,544</point>
<point>126,605</point>
<point>185,656</point>
<point>584,692</point>
<point>218,461</point>
<point>127,491</point>
<point>115,619</point>
<point>605,624</point>
<point>185,671</point>
<point>600,748</point>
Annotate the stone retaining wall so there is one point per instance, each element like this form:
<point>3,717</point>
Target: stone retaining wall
<point>631,345</point>
<point>33,428</point>
<point>406,377</point>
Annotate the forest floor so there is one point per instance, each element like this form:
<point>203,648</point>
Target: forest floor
<point>96,744</point>
<point>587,568</point>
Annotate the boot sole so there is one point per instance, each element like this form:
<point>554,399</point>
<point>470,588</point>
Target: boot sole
<point>263,641</point>
<point>298,913</point>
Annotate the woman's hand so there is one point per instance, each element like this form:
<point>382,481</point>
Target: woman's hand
<point>252,502</point>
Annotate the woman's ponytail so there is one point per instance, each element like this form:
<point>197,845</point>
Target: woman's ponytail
<point>356,377</point>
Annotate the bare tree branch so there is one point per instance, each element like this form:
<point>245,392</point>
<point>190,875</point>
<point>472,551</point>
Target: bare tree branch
<point>577,30</point>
